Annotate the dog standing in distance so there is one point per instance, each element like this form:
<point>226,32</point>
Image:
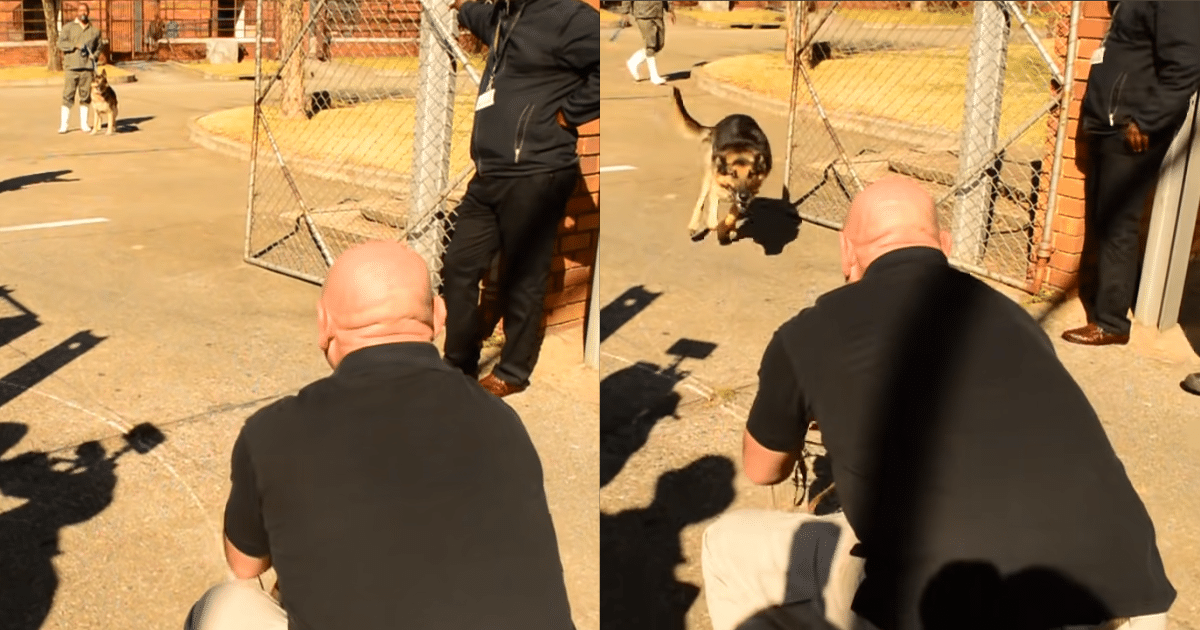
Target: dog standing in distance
<point>104,101</point>
<point>737,158</point>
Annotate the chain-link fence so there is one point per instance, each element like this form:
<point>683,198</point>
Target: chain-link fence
<point>958,95</point>
<point>361,128</point>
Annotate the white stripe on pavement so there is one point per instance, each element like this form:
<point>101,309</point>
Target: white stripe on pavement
<point>39,226</point>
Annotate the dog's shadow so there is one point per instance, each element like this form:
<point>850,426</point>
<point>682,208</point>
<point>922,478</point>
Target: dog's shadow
<point>772,223</point>
<point>130,125</point>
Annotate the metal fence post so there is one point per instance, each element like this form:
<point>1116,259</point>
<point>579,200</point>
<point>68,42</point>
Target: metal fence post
<point>980,131</point>
<point>432,132</point>
<point>1172,223</point>
<point>591,344</point>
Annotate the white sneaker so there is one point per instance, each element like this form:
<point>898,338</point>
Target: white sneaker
<point>654,78</point>
<point>636,59</point>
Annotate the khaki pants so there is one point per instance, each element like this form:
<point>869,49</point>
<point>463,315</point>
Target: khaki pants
<point>237,605</point>
<point>654,34</point>
<point>760,566</point>
<point>77,82</point>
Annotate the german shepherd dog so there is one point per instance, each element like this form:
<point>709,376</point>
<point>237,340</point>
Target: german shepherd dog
<point>104,101</point>
<point>737,158</point>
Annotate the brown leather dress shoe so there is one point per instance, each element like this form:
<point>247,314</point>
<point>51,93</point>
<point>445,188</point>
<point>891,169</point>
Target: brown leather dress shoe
<point>500,388</point>
<point>1093,335</point>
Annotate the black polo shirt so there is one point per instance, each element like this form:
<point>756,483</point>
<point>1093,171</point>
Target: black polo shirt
<point>968,461</point>
<point>398,493</point>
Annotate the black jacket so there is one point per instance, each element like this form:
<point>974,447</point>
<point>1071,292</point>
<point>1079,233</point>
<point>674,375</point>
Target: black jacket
<point>1150,68</point>
<point>549,61</point>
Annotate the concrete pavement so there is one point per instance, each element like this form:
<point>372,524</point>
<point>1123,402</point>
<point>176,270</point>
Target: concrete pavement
<point>686,324</point>
<point>152,317</point>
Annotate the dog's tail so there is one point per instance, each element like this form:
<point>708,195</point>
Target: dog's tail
<point>684,121</point>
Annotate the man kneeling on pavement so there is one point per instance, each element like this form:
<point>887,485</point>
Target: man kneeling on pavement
<point>979,489</point>
<point>395,493</point>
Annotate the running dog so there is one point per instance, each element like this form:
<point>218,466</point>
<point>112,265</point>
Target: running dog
<point>737,158</point>
<point>104,101</point>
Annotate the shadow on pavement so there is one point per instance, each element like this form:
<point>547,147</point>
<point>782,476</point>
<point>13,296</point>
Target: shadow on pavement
<point>127,125</point>
<point>625,307</point>
<point>634,399</point>
<point>771,223</point>
<point>49,493</point>
<point>640,548</point>
<point>49,177</point>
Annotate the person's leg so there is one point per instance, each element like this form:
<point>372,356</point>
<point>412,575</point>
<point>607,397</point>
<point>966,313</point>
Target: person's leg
<point>756,560</point>
<point>68,98</point>
<point>84,86</point>
<point>468,257</point>
<point>653,34</point>
<point>238,605</point>
<point>529,219</point>
<point>1123,182</point>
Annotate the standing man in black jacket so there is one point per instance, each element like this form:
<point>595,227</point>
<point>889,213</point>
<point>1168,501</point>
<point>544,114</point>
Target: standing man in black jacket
<point>1141,80</point>
<point>541,82</point>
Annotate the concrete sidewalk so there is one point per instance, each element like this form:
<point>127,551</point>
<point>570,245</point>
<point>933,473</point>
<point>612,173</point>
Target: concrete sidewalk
<point>152,317</point>
<point>687,324</point>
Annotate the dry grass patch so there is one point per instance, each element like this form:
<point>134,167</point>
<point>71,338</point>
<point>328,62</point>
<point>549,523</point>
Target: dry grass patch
<point>929,18</point>
<point>924,88</point>
<point>376,135</point>
<point>29,73</point>
<point>739,16</point>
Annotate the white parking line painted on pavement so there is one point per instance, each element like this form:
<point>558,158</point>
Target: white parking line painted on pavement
<point>54,224</point>
<point>615,169</point>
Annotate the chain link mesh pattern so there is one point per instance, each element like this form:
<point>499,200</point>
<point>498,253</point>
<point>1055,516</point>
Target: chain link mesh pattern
<point>958,96</point>
<point>362,128</point>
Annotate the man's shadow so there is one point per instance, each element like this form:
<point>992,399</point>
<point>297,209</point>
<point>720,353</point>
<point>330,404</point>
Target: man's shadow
<point>40,493</point>
<point>634,399</point>
<point>14,184</point>
<point>640,548</point>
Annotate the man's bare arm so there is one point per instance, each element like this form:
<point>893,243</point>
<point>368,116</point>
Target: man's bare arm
<point>243,566</point>
<point>764,466</point>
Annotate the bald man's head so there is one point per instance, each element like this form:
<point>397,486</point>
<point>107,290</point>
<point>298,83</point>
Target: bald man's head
<point>890,214</point>
<point>377,293</point>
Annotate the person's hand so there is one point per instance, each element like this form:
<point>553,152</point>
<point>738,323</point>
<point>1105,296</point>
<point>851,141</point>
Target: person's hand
<point>1137,141</point>
<point>456,4</point>
<point>562,121</point>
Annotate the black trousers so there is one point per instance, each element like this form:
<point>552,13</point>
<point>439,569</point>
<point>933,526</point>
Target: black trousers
<point>519,215</point>
<point>1115,189</point>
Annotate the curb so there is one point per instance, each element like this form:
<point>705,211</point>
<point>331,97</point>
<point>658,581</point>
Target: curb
<point>355,175</point>
<point>887,129</point>
<point>183,67</point>
<point>58,81</point>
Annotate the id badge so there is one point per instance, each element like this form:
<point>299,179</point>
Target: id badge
<point>485,100</point>
<point>1098,56</point>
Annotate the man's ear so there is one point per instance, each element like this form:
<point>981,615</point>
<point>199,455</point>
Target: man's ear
<point>947,242</point>
<point>324,332</point>
<point>847,255</point>
<point>439,315</point>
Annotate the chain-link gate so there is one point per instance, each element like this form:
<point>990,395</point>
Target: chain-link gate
<point>958,95</point>
<point>361,130</point>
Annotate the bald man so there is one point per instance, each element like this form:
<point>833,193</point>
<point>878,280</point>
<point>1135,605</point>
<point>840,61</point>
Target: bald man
<point>395,493</point>
<point>979,489</point>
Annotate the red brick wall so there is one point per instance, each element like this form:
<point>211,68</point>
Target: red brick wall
<point>1062,271</point>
